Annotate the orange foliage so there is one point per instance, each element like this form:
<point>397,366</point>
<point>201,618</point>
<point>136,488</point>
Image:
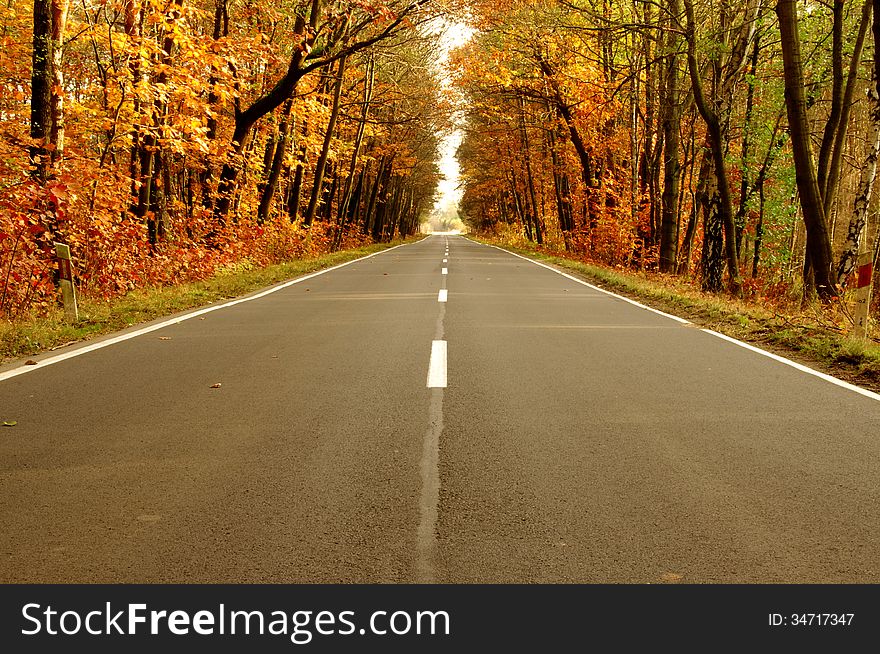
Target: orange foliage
<point>151,90</point>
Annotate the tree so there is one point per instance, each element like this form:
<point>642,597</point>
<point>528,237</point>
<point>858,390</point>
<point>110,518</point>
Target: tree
<point>350,30</point>
<point>818,237</point>
<point>41,90</point>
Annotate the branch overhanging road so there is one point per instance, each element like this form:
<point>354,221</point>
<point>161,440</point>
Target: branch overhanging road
<point>442,411</point>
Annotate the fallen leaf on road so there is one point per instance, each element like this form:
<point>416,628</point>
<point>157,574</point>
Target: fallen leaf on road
<point>9,423</point>
<point>201,318</point>
<point>164,338</point>
<point>670,577</point>
<point>57,347</point>
<point>30,362</point>
<point>217,385</point>
<point>308,289</point>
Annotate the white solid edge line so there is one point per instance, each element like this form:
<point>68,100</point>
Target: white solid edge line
<point>437,366</point>
<point>58,358</point>
<point>442,295</point>
<point>444,271</point>
<point>798,366</point>
<point>788,362</point>
<point>581,281</point>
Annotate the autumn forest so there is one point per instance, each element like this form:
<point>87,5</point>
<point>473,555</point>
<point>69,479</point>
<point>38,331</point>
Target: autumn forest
<point>730,144</point>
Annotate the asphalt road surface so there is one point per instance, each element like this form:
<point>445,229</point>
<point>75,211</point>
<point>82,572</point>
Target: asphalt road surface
<point>370,427</point>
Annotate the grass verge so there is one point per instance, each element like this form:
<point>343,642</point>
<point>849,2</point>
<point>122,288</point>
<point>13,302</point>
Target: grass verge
<point>810,337</point>
<point>25,337</point>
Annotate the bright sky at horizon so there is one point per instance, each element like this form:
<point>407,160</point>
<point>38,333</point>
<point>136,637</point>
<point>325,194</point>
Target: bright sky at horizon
<point>448,193</point>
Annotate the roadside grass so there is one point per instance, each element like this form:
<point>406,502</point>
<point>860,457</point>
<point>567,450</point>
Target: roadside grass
<point>813,336</point>
<point>31,335</point>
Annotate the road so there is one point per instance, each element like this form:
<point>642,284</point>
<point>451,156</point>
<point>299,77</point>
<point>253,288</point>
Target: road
<point>368,427</point>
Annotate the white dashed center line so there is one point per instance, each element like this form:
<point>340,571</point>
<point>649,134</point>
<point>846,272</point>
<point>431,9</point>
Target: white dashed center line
<point>441,297</point>
<point>437,367</point>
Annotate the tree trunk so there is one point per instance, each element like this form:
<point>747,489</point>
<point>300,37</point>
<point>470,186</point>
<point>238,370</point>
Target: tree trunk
<point>862,201</point>
<point>342,217</point>
<point>379,203</point>
<point>370,209</point>
<point>745,154</point>
<point>277,164</point>
<point>650,174</point>
<point>518,206</point>
<point>716,142</point>
<point>221,28</point>
<point>132,26</point>
<point>833,121</point>
<point>149,207</point>
<point>699,196</point>
<point>530,179</point>
<point>818,240</point>
<point>59,22</point>
<point>829,189</point>
<point>41,90</point>
<point>296,189</point>
<point>759,230</point>
<point>671,169</point>
<point>325,149</point>
<point>562,192</point>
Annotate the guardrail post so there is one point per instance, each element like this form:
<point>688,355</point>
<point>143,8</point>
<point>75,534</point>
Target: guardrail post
<point>65,281</point>
<point>864,275</point>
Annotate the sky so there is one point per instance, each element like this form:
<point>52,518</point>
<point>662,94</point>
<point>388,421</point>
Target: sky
<point>448,193</point>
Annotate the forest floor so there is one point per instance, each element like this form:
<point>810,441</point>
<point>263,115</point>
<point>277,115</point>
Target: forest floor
<point>33,334</point>
<point>814,336</point>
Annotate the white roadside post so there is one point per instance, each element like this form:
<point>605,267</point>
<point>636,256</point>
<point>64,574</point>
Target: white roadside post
<point>864,274</point>
<point>65,281</point>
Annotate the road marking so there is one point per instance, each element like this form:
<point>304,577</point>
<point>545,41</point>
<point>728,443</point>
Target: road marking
<point>437,366</point>
<point>358,297</point>
<point>58,358</point>
<point>590,327</point>
<point>444,271</point>
<point>426,541</point>
<point>797,366</point>
<point>602,290</point>
<point>788,362</point>
<point>445,260</point>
